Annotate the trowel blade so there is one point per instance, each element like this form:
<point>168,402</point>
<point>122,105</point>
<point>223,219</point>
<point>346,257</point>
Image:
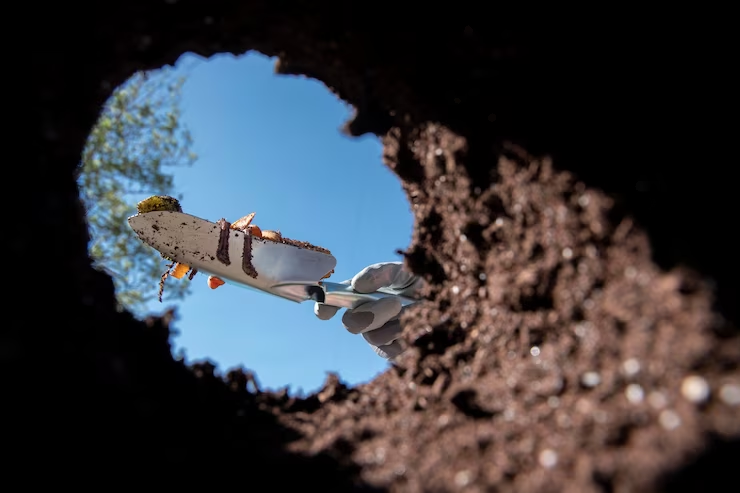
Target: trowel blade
<point>194,241</point>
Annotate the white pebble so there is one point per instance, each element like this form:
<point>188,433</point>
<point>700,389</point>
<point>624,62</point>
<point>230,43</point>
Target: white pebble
<point>590,379</point>
<point>548,458</point>
<point>669,419</point>
<point>534,351</point>
<point>567,253</point>
<point>634,393</point>
<point>582,329</point>
<point>499,222</point>
<point>553,401</point>
<point>583,200</point>
<point>463,478</point>
<point>482,276</point>
<point>730,394</point>
<point>631,367</point>
<point>695,389</point>
<point>455,289</point>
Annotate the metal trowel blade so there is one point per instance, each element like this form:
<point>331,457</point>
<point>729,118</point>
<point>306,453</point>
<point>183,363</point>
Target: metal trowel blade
<point>194,241</point>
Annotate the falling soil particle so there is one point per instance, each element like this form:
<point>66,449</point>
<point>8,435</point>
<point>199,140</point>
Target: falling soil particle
<point>162,280</point>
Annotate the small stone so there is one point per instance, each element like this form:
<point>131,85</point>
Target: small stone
<point>455,290</point>
<point>582,329</point>
<point>567,253</point>
<point>631,367</point>
<point>590,379</point>
<point>553,401</point>
<point>482,276</point>
<point>730,394</point>
<point>669,419</point>
<point>463,478</point>
<point>548,458</point>
<point>534,351</point>
<point>634,393</point>
<point>695,389</point>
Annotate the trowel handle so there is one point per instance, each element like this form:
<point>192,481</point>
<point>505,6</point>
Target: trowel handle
<point>344,296</point>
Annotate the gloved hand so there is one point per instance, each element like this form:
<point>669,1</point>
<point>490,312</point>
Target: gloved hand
<point>377,321</point>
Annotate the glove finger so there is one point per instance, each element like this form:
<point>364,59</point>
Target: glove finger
<point>384,335</point>
<point>371,315</point>
<point>324,312</point>
<point>386,274</point>
<point>389,351</point>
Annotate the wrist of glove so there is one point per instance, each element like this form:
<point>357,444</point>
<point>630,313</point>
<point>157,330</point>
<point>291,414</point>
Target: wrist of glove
<point>377,321</point>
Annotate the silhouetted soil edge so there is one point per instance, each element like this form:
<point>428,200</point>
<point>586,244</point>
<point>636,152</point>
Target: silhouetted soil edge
<point>552,351</point>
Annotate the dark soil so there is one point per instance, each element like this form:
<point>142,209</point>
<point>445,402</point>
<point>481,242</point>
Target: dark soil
<point>574,216</point>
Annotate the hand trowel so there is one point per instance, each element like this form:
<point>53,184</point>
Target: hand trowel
<point>280,269</point>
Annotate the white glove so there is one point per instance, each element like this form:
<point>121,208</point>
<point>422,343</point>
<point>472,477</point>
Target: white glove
<point>377,321</point>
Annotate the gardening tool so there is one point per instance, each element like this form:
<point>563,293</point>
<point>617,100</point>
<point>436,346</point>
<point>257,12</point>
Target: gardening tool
<point>284,270</point>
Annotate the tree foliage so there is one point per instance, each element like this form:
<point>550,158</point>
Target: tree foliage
<point>137,140</point>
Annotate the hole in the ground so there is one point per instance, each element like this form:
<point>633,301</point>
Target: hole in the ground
<point>264,143</point>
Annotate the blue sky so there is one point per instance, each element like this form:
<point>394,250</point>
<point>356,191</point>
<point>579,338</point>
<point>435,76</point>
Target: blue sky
<point>271,144</point>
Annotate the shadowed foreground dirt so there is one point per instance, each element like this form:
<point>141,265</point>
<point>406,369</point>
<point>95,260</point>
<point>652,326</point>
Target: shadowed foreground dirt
<point>572,217</point>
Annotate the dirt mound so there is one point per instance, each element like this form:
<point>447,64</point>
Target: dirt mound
<point>578,334</point>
